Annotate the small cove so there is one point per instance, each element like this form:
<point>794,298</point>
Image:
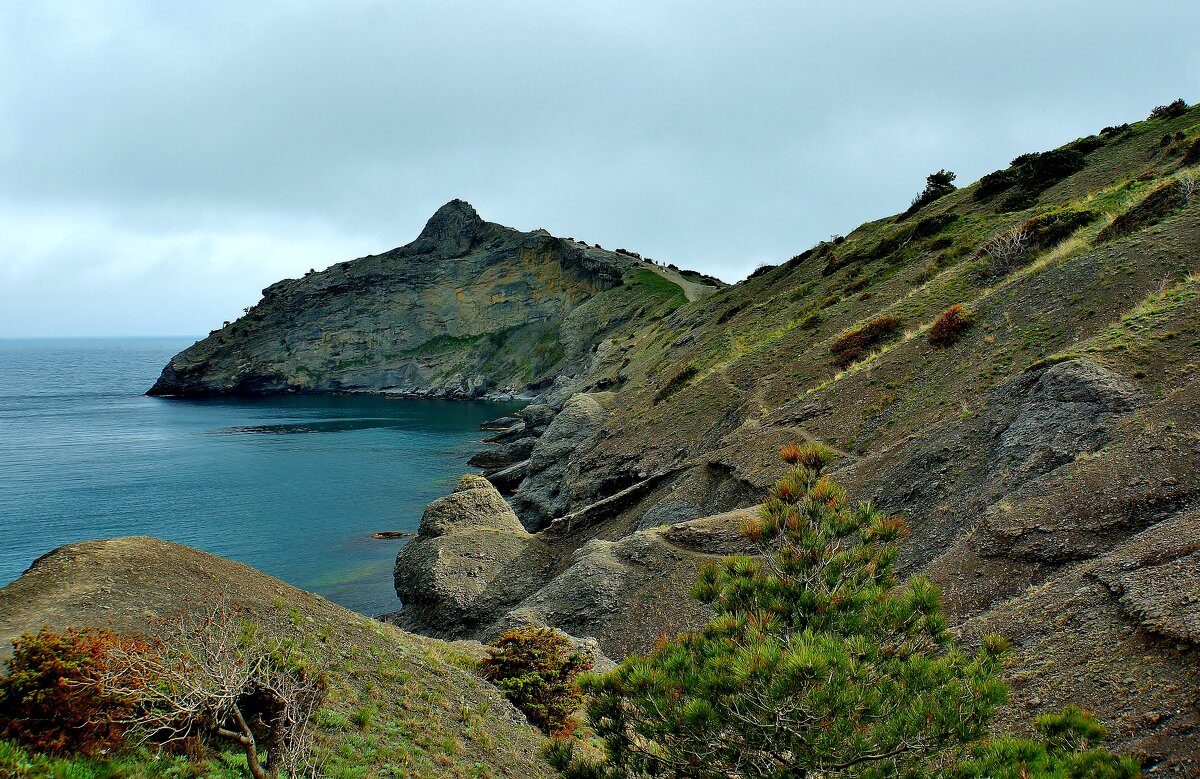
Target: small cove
<point>291,485</point>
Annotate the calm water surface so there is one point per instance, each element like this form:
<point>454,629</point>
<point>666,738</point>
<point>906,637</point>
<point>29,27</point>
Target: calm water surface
<point>293,486</point>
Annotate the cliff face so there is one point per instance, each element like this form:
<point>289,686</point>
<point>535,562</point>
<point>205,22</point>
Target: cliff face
<point>468,308</point>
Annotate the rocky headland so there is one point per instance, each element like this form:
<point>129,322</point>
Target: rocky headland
<point>469,309</point>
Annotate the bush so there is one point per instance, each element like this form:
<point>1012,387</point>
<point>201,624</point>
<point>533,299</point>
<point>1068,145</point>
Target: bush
<point>812,321</point>
<point>676,383</point>
<point>949,326</point>
<point>212,675</point>
<point>1116,130</point>
<point>1006,251</point>
<point>1087,144</point>
<point>1029,175</point>
<point>760,270</point>
<point>937,185</point>
<point>1192,155</point>
<point>848,347</point>
<point>1065,750</point>
<point>1175,108</point>
<point>536,668</point>
<point>48,700</point>
<point>1053,227</point>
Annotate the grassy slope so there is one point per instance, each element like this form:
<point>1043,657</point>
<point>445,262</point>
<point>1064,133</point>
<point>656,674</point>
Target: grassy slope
<point>398,704</point>
<point>756,348</point>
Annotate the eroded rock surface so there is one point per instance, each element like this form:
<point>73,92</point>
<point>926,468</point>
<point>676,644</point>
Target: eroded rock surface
<point>470,560</point>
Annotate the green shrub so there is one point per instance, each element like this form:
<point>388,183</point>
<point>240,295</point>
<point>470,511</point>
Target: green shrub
<point>48,699</point>
<point>937,186</point>
<point>1175,108</point>
<point>1029,175</point>
<point>848,347</point>
<point>536,668</point>
<point>949,326</point>
<point>1065,750</point>
<point>1116,130</point>
<point>1192,155</point>
<point>1087,144</point>
<point>1053,227</point>
<point>812,321</point>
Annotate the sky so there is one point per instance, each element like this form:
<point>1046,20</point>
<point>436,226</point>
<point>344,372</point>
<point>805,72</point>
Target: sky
<point>162,162</point>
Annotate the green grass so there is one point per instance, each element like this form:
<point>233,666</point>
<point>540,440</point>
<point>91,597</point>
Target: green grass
<point>19,763</point>
<point>650,282</point>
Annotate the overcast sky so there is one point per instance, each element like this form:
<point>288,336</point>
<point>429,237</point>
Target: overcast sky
<point>162,162</point>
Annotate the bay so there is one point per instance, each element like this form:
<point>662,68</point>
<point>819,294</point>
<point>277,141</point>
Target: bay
<point>291,485</point>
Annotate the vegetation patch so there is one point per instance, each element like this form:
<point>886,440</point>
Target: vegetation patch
<point>49,699</point>
<point>1172,110</point>
<point>937,186</point>
<point>536,669</point>
<point>1028,176</point>
<point>950,326</point>
<point>654,284</point>
<point>1053,227</point>
<point>676,383</point>
<point>848,347</point>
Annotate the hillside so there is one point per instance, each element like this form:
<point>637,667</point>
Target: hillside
<point>468,309</point>
<point>396,702</point>
<point>1047,460</point>
<point>1041,441</point>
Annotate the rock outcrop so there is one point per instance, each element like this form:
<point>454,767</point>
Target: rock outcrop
<point>470,561</point>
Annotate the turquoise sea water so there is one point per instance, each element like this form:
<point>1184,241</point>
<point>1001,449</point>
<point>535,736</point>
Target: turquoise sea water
<point>293,486</point>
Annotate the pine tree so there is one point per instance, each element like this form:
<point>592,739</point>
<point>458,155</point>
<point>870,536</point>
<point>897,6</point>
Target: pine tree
<point>818,662</point>
<point>937,185</point>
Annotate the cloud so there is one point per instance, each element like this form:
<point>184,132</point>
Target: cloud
<point>708,134</point>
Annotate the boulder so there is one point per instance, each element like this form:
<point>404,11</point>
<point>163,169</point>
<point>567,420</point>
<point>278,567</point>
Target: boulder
<point>470,560</point>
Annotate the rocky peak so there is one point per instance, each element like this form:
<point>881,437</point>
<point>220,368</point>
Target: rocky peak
<point>453,229</point>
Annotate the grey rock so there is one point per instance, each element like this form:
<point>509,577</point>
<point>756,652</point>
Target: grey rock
<point>474,504</point>
<point>1067,412</point>
<point>470,560</point>
<point>543,494</point>
<point>504,454</point>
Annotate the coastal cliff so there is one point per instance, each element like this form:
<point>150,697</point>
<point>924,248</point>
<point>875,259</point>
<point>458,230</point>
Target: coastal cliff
<point>468,309</point>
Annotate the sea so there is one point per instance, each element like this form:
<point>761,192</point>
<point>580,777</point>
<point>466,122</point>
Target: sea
<point>294,485</point>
